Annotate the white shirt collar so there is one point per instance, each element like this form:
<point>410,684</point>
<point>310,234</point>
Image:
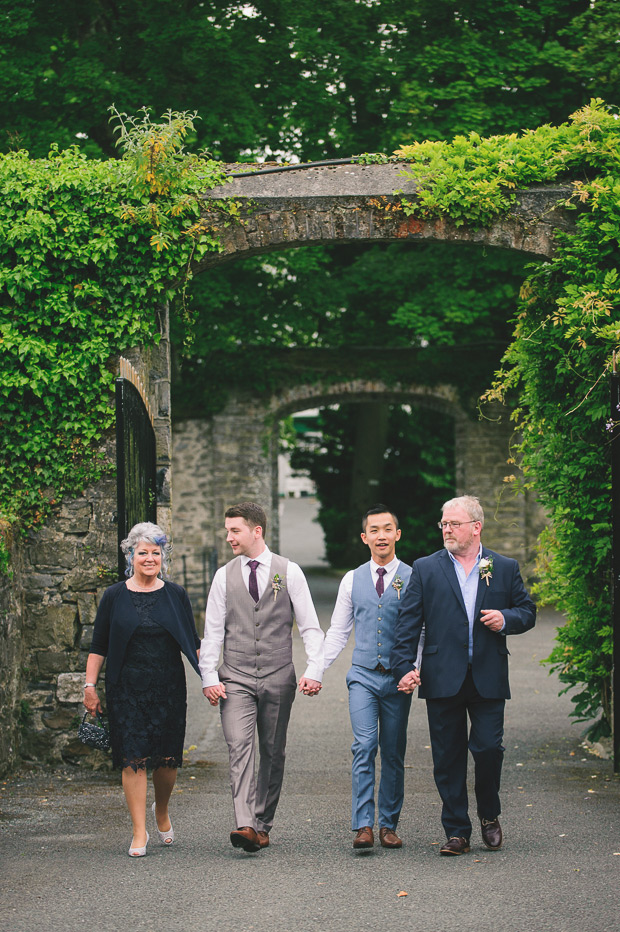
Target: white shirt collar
<point>388,567</point>
<point>264,557</point>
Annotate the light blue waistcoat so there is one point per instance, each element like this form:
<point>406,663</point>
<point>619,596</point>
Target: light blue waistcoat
<point>375,618</point>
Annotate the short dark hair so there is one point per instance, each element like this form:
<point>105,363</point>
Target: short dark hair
<point>250,512</point>
<point>378,509</point>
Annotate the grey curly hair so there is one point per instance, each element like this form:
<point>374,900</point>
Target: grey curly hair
<point>151,534</point>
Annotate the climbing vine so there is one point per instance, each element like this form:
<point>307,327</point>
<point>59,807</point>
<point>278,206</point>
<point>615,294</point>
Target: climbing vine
<point>556,371</point>
<point>89,249</point>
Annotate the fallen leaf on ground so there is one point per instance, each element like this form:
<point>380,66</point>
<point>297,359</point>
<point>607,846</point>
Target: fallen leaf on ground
<point>402,893</point>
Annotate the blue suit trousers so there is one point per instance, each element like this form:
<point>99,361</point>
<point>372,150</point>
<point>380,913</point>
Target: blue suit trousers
<point>379,715</point>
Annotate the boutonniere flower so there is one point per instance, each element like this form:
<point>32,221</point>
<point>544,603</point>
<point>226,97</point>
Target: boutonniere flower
<point>397,584</point>
<point>277,583</point>
<point>485,568</point>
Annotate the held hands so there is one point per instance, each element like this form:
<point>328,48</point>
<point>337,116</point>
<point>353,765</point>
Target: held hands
<point>409,682</point>
<point>309,687</point>
<point>492,618</point>
<point>214,693</point>
<point>92,703</point>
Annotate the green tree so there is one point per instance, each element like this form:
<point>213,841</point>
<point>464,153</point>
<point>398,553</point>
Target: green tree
<point>418,476</point>
<point>272,76</point>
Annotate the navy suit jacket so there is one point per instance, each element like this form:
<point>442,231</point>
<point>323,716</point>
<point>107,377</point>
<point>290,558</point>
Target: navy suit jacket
<point>433,599</point>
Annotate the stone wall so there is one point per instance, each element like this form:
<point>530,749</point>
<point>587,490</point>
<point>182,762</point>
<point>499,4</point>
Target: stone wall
<point>66,567</point>
<point>61,571</point>
<point>512,522</point>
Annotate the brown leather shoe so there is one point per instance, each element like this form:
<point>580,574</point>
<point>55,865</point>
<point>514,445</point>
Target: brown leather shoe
<point>263,839</point>
<point>389,838</point>
<point>364,838</point>
<point>491,833</point>
<point>455,845</point>
<point>246,838</point>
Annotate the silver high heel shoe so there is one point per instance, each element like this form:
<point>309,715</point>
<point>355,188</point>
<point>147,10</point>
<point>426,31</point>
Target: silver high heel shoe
<point>139,852</point>
<point>166,838</point>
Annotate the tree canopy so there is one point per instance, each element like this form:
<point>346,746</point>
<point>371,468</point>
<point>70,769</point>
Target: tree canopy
<point>273,76</point>
<point>273,79</point>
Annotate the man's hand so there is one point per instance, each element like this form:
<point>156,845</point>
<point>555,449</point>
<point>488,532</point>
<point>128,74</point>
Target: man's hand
<point>409,682</point>
<point>492,618</point>
<point>214,693</point>
<point>309,687</point>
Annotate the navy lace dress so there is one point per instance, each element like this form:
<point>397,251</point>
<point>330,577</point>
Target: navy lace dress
<point>147,705</point>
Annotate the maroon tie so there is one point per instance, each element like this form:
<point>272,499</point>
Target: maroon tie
<point>253,587</point>
<point>380,573</point>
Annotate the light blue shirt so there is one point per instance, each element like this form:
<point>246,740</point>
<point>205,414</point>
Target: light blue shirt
<point>469,591</point>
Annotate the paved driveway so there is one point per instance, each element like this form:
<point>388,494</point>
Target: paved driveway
<point>64,836</point>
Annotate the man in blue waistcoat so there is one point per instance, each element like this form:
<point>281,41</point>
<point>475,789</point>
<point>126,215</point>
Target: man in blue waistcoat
<point>368,598</point>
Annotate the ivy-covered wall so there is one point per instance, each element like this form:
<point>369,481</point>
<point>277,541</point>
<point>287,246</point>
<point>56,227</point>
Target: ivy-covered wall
<point>91,250</point>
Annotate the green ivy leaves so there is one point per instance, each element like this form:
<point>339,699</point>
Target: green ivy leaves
<point>87,250</point>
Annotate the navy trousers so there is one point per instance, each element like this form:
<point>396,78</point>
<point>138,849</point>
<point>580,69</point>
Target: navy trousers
<point>447,721</point>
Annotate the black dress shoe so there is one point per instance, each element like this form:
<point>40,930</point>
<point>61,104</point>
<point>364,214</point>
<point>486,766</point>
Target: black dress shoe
<point>246,838</point>
<point>455,845</point>
<point>491,833</point>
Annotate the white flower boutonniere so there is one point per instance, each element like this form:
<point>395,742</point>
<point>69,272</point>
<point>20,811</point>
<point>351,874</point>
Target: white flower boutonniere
<point>397,584</point>
<point>277,583</point>
<point>485,568</point>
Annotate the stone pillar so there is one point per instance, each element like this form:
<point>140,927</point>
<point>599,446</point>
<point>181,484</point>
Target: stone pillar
<point>66,566</point>
<point>512,521</point>
<point>153,365</point>
<point>217,463</point>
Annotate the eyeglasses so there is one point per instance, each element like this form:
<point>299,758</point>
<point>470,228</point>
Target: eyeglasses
<point>455,525</point>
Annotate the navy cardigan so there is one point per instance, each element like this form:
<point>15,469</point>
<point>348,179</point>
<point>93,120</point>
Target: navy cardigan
<point>117,619</point>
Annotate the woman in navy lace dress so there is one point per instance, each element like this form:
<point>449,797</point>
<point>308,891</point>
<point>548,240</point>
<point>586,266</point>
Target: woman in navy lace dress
<point>142,628</point>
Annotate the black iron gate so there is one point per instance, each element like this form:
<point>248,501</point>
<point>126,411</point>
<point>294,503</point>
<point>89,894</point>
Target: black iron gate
<point>136,465</point>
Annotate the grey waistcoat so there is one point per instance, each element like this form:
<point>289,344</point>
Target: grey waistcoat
<point>258,635</point>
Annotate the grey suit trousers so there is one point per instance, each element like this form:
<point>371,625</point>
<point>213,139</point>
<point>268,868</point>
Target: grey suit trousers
<point>256,706</point>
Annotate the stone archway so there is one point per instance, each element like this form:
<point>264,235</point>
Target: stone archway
<point>233,456</point>
<point>65,564</point>
<point>320,204</point>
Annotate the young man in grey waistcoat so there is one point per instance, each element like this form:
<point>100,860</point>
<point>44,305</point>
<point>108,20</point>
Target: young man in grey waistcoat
<point>368,598</point>
<point>252,603</point>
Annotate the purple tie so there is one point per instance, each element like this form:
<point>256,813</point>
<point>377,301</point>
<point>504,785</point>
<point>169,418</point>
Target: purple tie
<point>380,573</point>
<point>253,587</point>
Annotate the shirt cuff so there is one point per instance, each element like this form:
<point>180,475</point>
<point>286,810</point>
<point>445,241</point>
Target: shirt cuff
<point>210,679</point>
<point>313,672</point>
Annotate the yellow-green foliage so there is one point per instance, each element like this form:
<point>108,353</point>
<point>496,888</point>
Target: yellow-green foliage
<point>556,371</point>
<point>88,249</point>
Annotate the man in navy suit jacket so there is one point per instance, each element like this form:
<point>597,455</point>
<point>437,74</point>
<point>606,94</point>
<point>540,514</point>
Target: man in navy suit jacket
<point>468,599</point>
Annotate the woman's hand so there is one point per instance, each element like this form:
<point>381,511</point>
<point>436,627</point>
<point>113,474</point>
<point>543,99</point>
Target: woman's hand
<point>92,703</point>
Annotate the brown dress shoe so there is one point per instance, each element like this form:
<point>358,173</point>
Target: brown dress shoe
<point>491,833</point>
<point>246,838</point>
<point>364,838</point>
<point>263,839</point>
<point>455,845</point>
<point>389,838</point>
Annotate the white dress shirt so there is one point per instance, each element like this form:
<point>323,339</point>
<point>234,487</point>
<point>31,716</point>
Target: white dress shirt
<point>342,616</point>
<point>303,609</point>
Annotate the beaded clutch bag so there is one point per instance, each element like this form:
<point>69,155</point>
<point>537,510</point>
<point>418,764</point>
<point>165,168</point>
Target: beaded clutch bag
<point>94,734</point>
